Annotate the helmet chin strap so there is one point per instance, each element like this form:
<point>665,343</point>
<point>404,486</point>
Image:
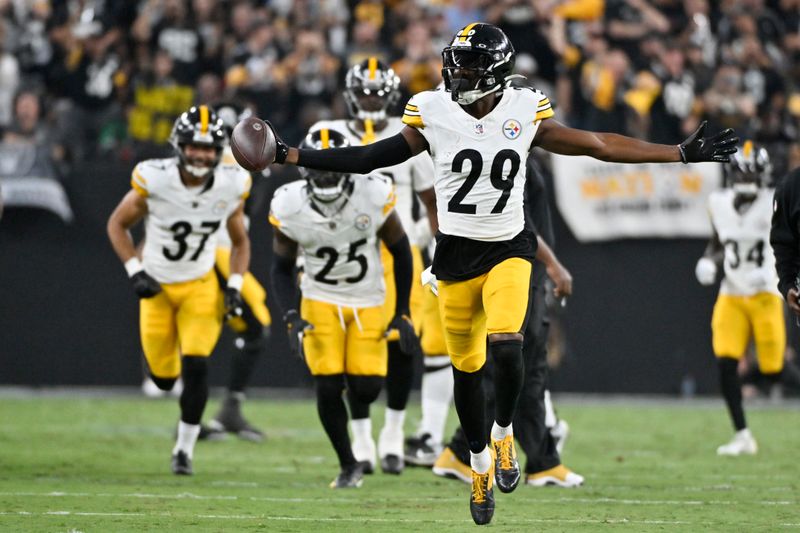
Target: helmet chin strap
<point>469,97</point>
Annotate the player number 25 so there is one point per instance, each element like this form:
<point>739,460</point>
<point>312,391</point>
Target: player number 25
<point>504,184</point>
<point>332,255</point>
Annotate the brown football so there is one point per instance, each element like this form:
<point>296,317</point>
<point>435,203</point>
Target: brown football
<point>253,144</point>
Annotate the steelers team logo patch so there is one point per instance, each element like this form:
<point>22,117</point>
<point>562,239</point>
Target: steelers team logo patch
<point>363,222</point>
<point>220,207</point>
<point>512,128</point>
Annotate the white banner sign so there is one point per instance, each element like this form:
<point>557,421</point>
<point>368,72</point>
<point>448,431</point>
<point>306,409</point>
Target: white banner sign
<point>603,201</point>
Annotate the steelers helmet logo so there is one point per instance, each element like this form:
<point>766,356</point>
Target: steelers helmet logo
<point>220,207</point>
<point>512,128</point>
<point>363,222</point>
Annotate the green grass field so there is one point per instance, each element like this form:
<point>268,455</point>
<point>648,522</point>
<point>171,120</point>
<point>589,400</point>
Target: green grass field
<point>102,464</point>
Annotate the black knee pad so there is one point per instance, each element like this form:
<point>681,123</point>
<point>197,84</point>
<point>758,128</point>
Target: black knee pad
<point>365,388</point>
<point>163,383</point>
<point>329,386</point>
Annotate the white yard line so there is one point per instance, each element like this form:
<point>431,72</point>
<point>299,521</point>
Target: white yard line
<point>360,500</point>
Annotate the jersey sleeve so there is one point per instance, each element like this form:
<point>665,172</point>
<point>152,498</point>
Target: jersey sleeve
<point>139,182</point>
<point>412,114</point>
<point>280,212</point>
<point>422,172</point>
<point>383,195</point>
<point>544,109</point>
<point>245,184</point>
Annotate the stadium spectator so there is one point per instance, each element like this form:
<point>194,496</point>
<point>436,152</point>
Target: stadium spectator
<point>9,78</point>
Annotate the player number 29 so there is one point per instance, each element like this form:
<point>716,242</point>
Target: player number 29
<point>499,182</point>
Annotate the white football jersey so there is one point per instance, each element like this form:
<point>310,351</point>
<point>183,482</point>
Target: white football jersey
<point>182,223</point>
<point>413,175</point>
<point>479,164</point>
<point>341,253</point>
<point>745,237</point>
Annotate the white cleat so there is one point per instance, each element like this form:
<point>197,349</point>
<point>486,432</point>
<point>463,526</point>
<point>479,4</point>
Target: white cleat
<point>560,432</point>
<point>742,443</point>
<point>559,476</point>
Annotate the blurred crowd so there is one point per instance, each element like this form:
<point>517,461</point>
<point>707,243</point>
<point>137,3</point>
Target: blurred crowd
<point>89,77</point>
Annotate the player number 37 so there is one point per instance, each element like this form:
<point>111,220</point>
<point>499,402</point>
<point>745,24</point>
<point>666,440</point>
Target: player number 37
<point>181,231</point>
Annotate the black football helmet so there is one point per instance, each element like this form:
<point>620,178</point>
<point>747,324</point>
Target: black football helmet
<point>325,186</point>
<point>371,88</point>
<point>477,62</point>
<point>231,114</point>
<point>198,126</point>
<point>749,169</point>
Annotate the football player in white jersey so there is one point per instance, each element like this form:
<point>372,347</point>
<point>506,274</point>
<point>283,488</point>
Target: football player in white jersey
<point>371,90</point>
<point>337,222</point>
<point>184,200</point>
<point>479,131</point>
<point>749,300</point>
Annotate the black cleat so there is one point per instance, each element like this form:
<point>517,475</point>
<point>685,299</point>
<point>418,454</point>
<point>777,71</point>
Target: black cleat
<point>392,464</point>
<point>481,500</point>
<point>181,464</point>
<point>507,474</point>
<point>421,451</point>
<point>366,467</point>
<point>351,477</point>
<point>211,434</point>
<point>230,419</point>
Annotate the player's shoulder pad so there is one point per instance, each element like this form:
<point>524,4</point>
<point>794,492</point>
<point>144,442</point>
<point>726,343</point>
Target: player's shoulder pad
<point>149,175</point>
<point>288,199</point>
<point>720,197</point>
<point>239,178</point>
<point>422,107</point>
<point>535,100</point>
<point>379,190</point>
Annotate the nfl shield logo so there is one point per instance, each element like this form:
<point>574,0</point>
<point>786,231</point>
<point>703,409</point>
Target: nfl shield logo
<point>479,128</point>
<point>512,128</point>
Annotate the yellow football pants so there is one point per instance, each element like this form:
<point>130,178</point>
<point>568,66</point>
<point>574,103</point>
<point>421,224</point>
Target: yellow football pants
<point>736,317</point>
<point>432,337</point>
<point>344,340</point>
<point>253,293</point>
<point>416,297</point>
<point>183,319</point>
<point>494,302</point>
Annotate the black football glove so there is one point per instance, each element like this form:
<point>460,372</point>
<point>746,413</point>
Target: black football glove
<point>696,148</point>
<point>281,148</point>
<point>295,328</point>
<point>234,305</point>
<point>409,342</point>
<point>144,285</point>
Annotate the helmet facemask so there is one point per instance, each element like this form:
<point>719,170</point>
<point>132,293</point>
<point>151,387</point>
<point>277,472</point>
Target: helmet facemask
<point>325,187</point>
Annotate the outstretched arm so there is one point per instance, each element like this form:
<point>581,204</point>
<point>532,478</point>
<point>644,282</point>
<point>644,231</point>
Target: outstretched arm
<point>356,159</point>
<point>560,139</point>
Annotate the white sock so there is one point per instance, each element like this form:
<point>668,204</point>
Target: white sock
<point>500,432</point>
<point>481,462</point>
<point>437,393</point>
<point>361,429</point>
<point>745,433</point>
<point>187,437</point>
<point>550,418</point>
<point>394,420</point>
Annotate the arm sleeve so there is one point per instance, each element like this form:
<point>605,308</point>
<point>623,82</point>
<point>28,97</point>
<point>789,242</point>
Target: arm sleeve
<point>357,159</point>
<point>403,272</point>
<point>283,283</point>
<point>784,233</point>
<point>543,108</point>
